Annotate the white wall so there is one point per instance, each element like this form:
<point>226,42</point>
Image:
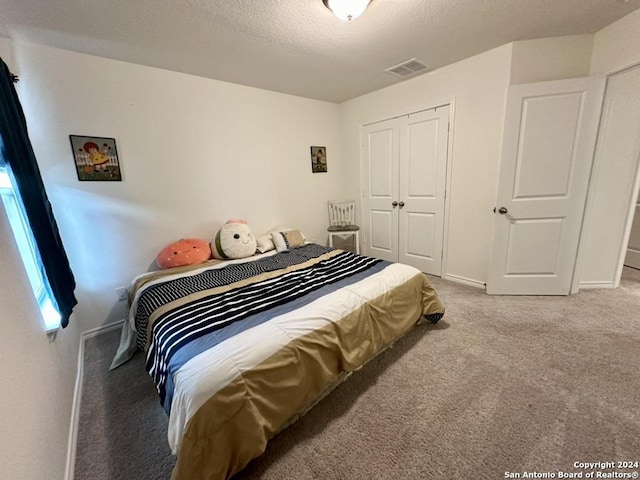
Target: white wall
<point>38,376</point>
<point>478,85</point>
<point>547,59</point>
<point>617,45</point>
<point>194,152</point>
<point>615,167</point>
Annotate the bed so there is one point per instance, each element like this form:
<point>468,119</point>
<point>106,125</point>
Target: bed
<point>240,349</point>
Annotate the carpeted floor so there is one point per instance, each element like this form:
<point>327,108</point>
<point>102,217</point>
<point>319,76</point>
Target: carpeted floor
<point>501,384</point>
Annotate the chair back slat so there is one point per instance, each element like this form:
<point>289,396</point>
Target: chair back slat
<point>342,213</point>
<point>342,222</point>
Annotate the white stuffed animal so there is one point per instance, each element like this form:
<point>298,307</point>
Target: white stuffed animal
<point>233,240</point>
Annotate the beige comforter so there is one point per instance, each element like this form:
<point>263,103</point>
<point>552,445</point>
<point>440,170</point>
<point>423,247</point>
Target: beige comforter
<point>227,401</point>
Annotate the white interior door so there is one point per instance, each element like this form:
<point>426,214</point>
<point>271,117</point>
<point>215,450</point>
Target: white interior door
<point>380,150</point>
<point>548,144</point>
<point>632,259</point>
<point>423,170</point>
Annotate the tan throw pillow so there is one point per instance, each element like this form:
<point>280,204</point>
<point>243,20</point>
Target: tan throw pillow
<point>287,240</point>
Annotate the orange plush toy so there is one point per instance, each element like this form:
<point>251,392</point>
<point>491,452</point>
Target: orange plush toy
<point>187,251</point>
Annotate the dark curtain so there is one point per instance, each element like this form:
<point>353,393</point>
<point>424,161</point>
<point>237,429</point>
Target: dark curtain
<point>18,154</point>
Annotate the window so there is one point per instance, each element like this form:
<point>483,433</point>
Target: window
<point>28,252</point>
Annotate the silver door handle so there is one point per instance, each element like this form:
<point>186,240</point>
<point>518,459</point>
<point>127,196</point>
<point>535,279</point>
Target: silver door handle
<point>503,210</point>
<point>401,204</point>
<point>394,204</point>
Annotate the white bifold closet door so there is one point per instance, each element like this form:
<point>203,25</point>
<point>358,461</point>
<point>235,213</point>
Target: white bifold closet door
<point>404,167</point>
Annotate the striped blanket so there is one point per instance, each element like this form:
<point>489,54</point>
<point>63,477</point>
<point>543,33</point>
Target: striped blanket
<point>210,306</point>
<point>239,349</point>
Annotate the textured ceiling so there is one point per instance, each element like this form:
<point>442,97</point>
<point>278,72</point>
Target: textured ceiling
<point>297,46</point>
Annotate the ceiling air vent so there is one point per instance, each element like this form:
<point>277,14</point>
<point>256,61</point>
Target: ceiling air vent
<point>407,68</point>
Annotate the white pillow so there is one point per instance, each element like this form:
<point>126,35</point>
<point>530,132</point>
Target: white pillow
<point>264,243</point>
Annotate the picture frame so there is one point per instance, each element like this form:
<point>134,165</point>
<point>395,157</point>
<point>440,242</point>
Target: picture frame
<point>319,159</point>
<point>95,158</point>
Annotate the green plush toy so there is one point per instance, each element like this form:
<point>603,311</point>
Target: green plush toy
<point>233,240</point>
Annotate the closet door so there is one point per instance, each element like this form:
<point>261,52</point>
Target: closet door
<point>380,150</point>
<point>423,164</point>
<point>404,168</point>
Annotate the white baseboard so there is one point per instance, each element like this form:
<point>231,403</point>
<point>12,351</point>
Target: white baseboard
<point>77,396</point>
<point>94,332</point>
<point>588,285</point>
<point>466,281</point>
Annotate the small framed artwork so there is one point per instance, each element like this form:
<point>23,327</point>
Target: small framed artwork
<point>96,158</point>
<point>318,159</point>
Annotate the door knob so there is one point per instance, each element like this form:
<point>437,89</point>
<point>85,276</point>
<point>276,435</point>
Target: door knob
<point>503,210</point>
<point>401,204</point>
<point>394,204</point>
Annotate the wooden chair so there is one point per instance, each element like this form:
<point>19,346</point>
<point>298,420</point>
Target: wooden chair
<point>342,221</point>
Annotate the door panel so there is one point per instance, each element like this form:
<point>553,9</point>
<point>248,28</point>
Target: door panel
<point>549,138</point>
<point>423,169</point>
<point>382,147</point>
<point>532,247</point>
<point>382,231</point>
<point>421,227</point>
<point>422,148</point>
<point>536,159</point>
<point>380,150</point>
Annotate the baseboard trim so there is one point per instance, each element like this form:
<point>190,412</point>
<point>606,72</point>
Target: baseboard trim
<point>94,332</point>
<point>466,281</point>
<point>592,285</point>
<point>77,396</point>
<point>75,410</point>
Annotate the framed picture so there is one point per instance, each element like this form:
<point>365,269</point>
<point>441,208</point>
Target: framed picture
<point>96,158</point>
<point>318,159</point>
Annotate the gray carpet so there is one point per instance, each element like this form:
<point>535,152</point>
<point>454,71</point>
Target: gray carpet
<point>501,384</point>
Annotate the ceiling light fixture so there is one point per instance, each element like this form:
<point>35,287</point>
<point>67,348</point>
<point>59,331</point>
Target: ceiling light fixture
<point>347,9</point>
